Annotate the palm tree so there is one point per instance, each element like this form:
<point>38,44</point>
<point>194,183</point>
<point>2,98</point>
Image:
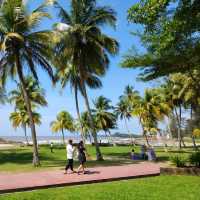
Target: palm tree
<point>104,119</point>
<point>123,111</point>
<point>84,121</point>
<point>126,105</point>
<point>151,109</point>
<point>69,74</point>
<point>84,44</point>
<point>23,46</point>
<point>131,95</point>
<point>172,92</point>
<point>35,92</point>
<point>20,118</point>
<point>64,121</point>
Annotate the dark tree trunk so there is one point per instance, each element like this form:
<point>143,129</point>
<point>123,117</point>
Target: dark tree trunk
<point>78,114</point>
<point>63,136</point>
<point>91,121</point>
<point>36,161</point>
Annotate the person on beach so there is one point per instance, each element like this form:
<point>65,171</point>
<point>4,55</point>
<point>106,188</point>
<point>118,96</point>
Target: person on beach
<point>81,157</point>
<point>70,155</point>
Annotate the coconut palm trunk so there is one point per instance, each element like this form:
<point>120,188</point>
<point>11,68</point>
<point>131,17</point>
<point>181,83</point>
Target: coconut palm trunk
<point>129,133</point>
<point>91,121</point>
<point>179,128</point>
<point>78,113</point>
<point>36,161</point>
<point>192,136</point>
<point>144,132</point>
<point>25,134</point>
<point>63,136</point>
<point>111,138</point>
<point>146,137</point>
<point>180,122</point>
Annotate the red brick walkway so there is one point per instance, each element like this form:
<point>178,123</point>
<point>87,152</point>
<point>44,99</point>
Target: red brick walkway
<point>45,179</point>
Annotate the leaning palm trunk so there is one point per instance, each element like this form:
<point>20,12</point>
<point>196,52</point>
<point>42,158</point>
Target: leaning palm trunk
<point>78,114</point>
<point>36,161</point>
<point>91,121</point>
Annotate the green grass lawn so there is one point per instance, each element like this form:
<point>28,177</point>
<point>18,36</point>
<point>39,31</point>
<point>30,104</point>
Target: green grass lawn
<point>20,158</point>
<point>155,188</point>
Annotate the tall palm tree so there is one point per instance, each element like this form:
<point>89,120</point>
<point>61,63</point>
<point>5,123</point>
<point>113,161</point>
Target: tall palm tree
<point>20,118</point>
<point>84,121</point>
<point>22,47</point>
<point>173,94</point>
<point>190,95</point>
<point>151,109</point>
<point>84,44</point>
<point>123,111</point>
<point>69,74</point>
<point>126,104</point>
<point>64,121</point>
<point>36,94</point>
<point>104,118</point>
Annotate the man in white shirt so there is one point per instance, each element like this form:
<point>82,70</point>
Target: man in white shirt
<point>70,154</point>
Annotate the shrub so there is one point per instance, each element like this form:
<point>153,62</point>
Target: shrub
<point>195,159</point>
<point>178,161</point>
<point>196,132</point>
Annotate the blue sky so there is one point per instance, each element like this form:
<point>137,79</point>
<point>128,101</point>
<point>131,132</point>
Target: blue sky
<point>113,83</point>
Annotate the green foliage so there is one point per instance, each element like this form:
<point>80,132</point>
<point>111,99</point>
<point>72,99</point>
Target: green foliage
<point>146,11</point>
<point>103,116</point>
<point>151,109</point>
<point>64,121</point>
<point>21,43</point>
<point>35,92</point>
<point>170,36</point>
<point>196,132</point>
<point>195,159</point>
<point>20,117</point>
<point>178,161</point>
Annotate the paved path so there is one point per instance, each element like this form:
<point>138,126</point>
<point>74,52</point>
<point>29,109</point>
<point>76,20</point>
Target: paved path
<point>45,179</point>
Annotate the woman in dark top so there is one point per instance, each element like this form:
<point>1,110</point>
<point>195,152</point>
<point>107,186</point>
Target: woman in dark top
<point>81,157</point>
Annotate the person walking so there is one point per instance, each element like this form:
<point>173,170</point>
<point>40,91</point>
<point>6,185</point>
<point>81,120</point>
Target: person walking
<point>81,157</point>
<point>70,154</point>
<point>51,147</point>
